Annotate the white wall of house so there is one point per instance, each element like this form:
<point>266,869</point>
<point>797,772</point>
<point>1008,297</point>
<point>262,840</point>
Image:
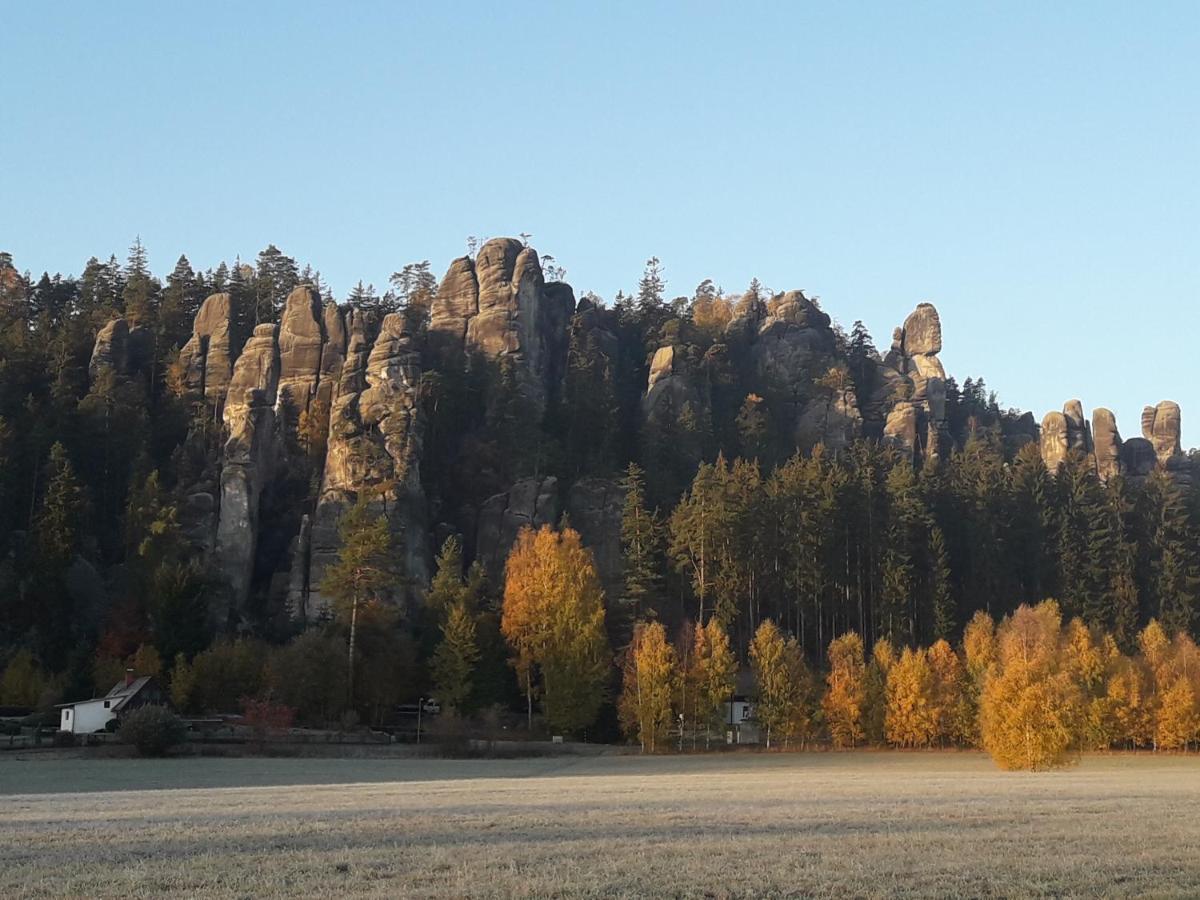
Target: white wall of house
<point>86,717</point>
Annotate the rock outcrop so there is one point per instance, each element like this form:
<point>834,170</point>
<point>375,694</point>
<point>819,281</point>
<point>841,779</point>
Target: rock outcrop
<point>670,386</point>
<point>1161,426</point>
<point>1101,443</point>
<point>375,440</point>
<point>1106,443</point>
<point>301,346</point>
<point>1054,442</point>
<point>530,502</point>
<point>913,382</point>
<point>499,305</point>
<point>594,507</point>
<point>206,359</point>
<point>250,457</point>
<point>120,350</point>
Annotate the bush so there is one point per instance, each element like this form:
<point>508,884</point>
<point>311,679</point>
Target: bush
<point>64,739</point>
<point>151,730</point>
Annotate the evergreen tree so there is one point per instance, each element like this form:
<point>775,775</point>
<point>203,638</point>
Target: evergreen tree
<point>275,277</point>
<point>360,578</point>
<point>642,550</point>
<point>454,661</point>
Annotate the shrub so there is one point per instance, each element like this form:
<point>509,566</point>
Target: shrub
<point>64,739</point>
<point>151,730</point>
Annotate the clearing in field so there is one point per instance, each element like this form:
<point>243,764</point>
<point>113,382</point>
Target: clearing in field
<point>823,824</point>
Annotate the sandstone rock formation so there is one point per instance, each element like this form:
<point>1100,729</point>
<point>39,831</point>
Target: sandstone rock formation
<point>1055,442</point>
<point>207,358</point>
<point>1161,427</point>
<point>670,386</point>
<point>499,305</point>
<point>1107,443</point>
<point>301,345</point>
<point>913,380</point>
<point>1138,458</point>
<point>375,440</point>
<point>594,507</point>
<point>531,501</point>
<point>120,350</point>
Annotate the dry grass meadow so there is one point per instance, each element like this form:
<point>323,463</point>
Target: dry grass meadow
<point>736,825</point>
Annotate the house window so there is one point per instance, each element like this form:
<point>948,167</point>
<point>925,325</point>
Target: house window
<point>106,703</point>
<point>67,713</point>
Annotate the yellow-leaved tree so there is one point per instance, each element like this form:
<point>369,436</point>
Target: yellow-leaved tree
<point>1030,703</point>
<point>911,719</point>
<point>780,681</point>
<point>648,685</point>
<point>875,703</point>
<point>947,691</point>
<point>553,619</point>
<point>846,694</point>
<point>712,675</point>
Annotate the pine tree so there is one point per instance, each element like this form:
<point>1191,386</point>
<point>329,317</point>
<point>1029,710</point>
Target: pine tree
<point>62,517</point>
<point>363,572</point>
<point>275,277</point>
<point>454,661</point>
<point>140,291</point>
<point>642,550</point>
<point>944,611</point>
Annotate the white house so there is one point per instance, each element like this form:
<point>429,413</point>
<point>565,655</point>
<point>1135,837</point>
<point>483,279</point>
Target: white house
<point>89,716</point>
<point>740,725</point>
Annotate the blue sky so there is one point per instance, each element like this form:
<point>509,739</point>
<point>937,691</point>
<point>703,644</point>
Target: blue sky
<point>1029,168</point>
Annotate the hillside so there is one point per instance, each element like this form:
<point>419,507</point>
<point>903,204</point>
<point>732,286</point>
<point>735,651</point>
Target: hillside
<point>179,455</point>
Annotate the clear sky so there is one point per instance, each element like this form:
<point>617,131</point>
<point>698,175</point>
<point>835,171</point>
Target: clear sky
<point>1032,169</point>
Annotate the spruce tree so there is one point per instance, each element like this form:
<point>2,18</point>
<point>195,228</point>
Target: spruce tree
<point>642,551</point>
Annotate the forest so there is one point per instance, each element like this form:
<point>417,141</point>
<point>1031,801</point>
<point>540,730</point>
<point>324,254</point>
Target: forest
<point>484,490</point>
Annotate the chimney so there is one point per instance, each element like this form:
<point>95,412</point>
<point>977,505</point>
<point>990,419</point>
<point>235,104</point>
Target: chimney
<point>128,677</point>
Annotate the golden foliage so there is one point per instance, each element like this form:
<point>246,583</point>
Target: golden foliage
<point>846,696</point>
<point>553,618</point>
<point>911,719</point>
<point>1030,704</point>
<point>648,685</point>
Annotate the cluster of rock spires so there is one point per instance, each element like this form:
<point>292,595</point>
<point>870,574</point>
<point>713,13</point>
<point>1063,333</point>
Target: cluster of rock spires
<point>357,382</point>
<point>1101,444</point>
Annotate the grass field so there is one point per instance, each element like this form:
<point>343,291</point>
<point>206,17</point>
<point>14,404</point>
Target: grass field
<point>817,824</point>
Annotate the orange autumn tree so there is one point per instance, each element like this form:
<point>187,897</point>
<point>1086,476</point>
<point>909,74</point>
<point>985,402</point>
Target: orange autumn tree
<point>1030,701</point>
<point>844,700</point>
<point>911,719</point>
<point>553,619</point>
<point>648,685</point>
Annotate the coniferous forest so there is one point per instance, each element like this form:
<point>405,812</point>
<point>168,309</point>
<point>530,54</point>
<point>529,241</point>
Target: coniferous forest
<point>592,516</point>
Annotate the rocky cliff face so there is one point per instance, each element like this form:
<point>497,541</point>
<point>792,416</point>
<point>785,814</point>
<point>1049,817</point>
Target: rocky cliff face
<point>374,447</point>
<point>1101,444</point>
<point>499,305</point>
<point>593,506</point>
<point>913,384</point>
<point>120,351</point>
<point>206,360</point>
<point>250,458</point>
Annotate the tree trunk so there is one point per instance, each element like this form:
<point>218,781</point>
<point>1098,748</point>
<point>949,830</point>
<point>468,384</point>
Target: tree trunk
<point>353,634</point>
